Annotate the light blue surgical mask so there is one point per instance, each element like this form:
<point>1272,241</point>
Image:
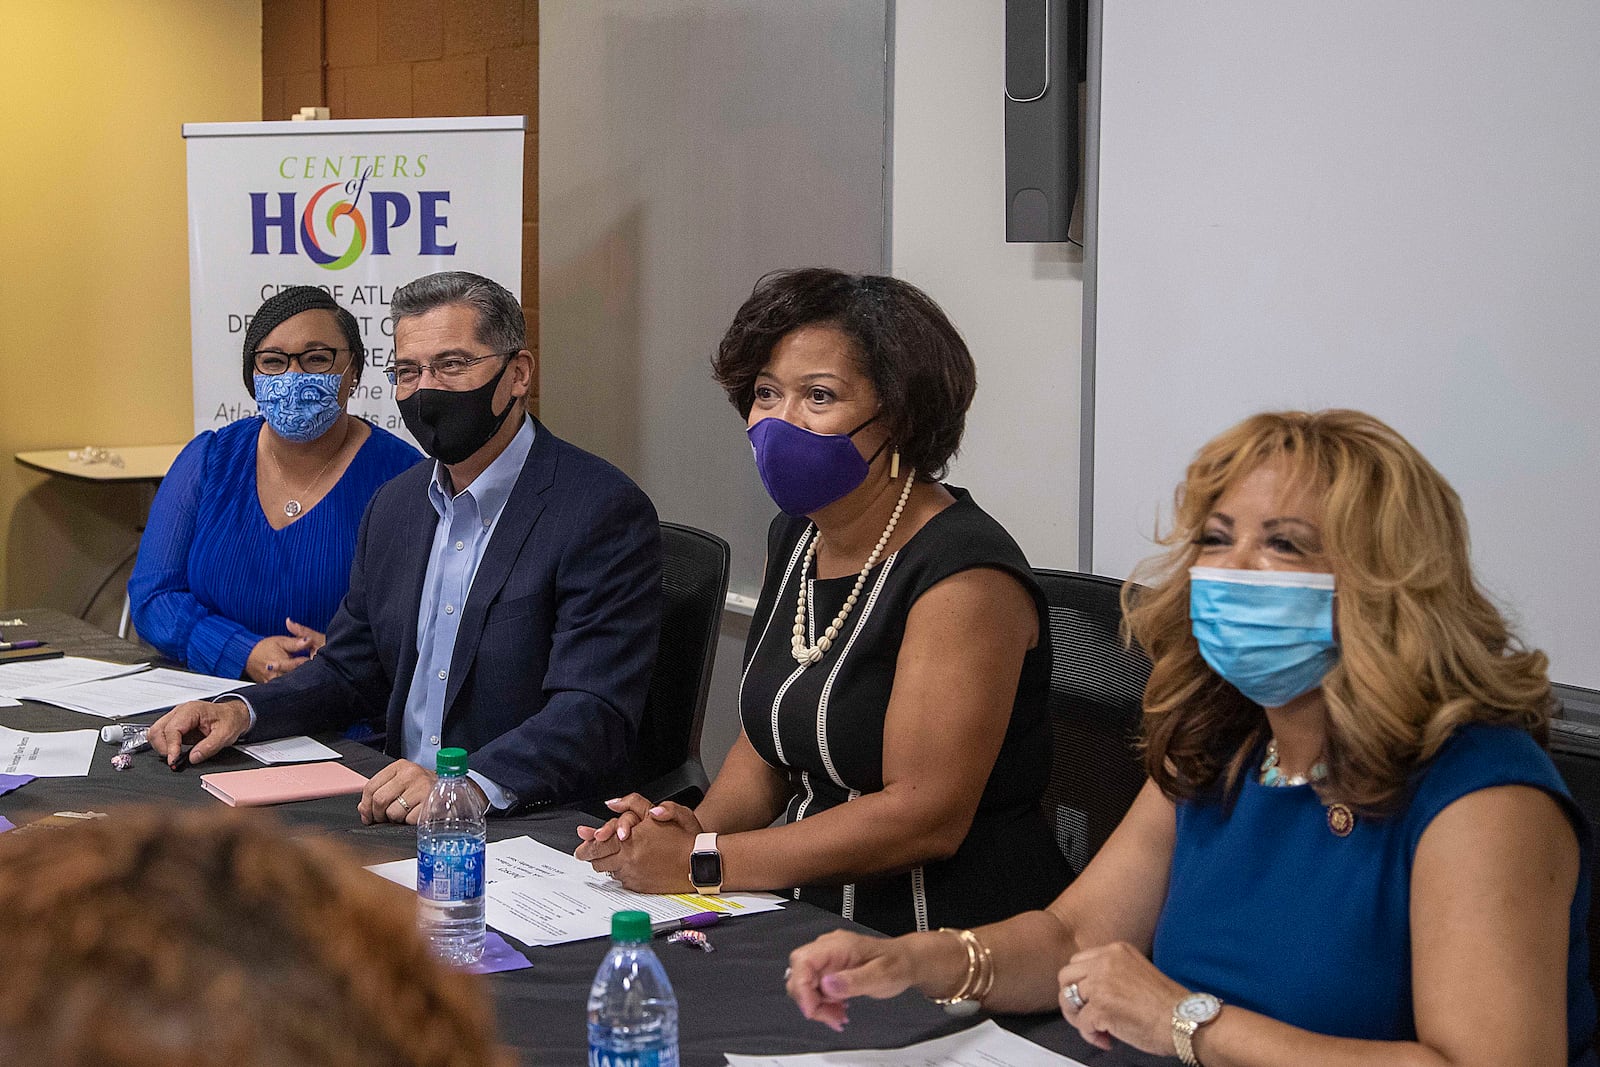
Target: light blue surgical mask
<point>297,405</point>
<point>1269,634</point>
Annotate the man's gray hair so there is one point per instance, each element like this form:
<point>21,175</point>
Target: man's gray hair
<point>500,322</point>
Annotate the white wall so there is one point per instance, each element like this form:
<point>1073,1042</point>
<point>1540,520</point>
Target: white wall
<point>1370,205</point>
<point>650,236</point>
<point>686,147</point>
<point>1018,306</point>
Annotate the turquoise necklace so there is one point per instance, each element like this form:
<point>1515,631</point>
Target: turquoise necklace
<point>1272,774</point>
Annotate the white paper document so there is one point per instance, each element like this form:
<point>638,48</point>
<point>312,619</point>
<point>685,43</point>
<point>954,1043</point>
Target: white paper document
<point>134,694</point>
<point>985,1045</point>
<point>61,754</point>
<point>7,702</point>
<point>30,676</point>
<point>290,750</point>
<point>499,866</point>
<point>543,896</point>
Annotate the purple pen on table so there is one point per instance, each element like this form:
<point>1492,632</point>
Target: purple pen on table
<point>698,921</point>
<point>11,646</point>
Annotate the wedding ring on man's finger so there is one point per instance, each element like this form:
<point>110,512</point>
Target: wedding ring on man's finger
<point>1072,994</point>
<point>405,805</point>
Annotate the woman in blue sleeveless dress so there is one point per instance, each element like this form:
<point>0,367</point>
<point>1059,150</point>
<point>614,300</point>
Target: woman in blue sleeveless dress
<point>247,552</point>
<point>1353,848</point>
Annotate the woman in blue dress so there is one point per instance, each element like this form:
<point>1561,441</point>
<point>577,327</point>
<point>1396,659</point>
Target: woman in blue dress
<point>1353,848</point>
<point>247,551</point>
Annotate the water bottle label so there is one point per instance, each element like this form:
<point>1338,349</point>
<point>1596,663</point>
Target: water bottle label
<point>450,869</point>
<point>645,1057</point>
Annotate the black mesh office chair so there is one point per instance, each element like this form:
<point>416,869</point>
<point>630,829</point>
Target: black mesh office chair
<point>694,584</point>
<point>1096,690</point>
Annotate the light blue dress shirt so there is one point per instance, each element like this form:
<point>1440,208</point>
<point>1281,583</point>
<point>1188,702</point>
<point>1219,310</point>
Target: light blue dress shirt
<point>466,523</point>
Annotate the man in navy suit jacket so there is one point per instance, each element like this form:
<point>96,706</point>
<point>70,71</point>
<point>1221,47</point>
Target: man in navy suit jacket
<point>505,597</point>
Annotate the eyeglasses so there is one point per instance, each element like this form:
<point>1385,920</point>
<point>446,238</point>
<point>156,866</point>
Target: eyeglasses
<point>445,369</point>
<point>316,360</point>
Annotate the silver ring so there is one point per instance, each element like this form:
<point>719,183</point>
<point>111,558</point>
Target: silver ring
<point>405,805</point>
<point>1072,994</point>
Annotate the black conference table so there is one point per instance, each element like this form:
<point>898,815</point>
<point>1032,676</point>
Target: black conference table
<point>730,1000</point>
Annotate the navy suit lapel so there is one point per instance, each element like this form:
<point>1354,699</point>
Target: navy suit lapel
<point>516,522</point>
<point>419,521</point>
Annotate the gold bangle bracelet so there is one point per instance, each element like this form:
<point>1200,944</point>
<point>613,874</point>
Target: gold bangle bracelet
<point>965,990</point>
<point>980,969</point>
<point>985,968</point>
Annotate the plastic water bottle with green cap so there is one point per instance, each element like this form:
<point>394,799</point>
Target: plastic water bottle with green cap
<point>451,845</point>
<point>633,1016</point>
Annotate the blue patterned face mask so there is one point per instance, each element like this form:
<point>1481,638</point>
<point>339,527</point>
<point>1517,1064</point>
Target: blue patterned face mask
<point>1269,634</point>
<point>299,406</point>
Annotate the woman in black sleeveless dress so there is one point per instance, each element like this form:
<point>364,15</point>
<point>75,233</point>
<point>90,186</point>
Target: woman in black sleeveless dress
<point>893,696</point>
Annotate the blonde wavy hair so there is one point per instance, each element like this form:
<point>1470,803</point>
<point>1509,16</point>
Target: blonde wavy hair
<point>1422,649</point>
<point>213,939</point>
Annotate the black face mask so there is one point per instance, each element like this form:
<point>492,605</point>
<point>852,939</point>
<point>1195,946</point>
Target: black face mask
<point>450,425</point>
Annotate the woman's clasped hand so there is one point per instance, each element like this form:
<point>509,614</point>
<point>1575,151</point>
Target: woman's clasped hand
<point>659,839</point>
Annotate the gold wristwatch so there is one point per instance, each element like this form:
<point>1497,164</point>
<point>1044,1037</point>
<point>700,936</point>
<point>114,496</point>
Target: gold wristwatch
<point>1191,1013</point>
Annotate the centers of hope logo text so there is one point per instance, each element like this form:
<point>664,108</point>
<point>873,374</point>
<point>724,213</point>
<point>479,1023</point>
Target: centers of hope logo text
<point>334,232</point>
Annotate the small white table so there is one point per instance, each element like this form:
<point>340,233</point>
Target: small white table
<point>140,463</point>
<point>145,464</point>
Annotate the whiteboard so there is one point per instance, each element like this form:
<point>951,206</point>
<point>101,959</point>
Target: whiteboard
<point>1390,207</point>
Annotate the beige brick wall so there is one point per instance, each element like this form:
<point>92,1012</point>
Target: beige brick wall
<point>365,59</point>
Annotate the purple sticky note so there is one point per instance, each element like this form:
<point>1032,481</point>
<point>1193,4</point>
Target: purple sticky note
<point>6,824</point>
<point>8,782</point>
<point>498,955</point>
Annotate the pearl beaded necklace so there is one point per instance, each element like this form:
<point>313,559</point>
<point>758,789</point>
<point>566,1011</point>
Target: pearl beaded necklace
<point>806,655</point>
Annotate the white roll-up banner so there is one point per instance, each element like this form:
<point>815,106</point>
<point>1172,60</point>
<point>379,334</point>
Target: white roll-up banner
<point>355,207</point>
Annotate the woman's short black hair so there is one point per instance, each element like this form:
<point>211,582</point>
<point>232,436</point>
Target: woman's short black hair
<point>917,363</point>
<point>284,305</point>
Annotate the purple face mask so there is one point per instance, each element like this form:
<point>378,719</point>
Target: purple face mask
<point>804,472</point>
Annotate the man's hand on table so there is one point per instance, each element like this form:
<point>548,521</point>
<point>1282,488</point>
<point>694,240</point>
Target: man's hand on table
<point>396,793</point>
<point>209,727</point>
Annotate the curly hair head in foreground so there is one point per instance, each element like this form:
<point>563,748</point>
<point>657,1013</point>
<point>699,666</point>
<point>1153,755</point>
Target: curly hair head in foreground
<point>1422,649</point>
<point>212,939</point>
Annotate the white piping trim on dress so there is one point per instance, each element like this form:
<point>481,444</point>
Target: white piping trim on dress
<point>800,809</point>
<point>777,603</point>
<point>805,783</point>
<point>777,742</point>
<point>919,899</point>
<point>827,687</point>
<point>847,908</point>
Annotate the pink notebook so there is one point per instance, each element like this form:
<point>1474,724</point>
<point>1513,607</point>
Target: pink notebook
<point>282,785</point>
